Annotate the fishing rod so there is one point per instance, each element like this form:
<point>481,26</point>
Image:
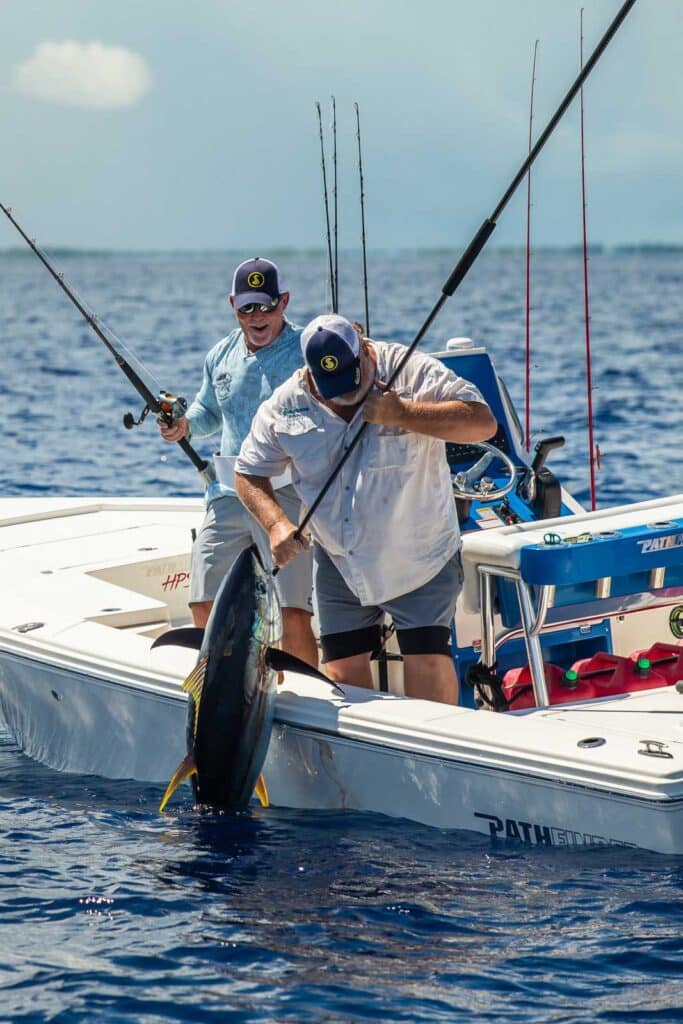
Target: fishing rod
<point>480,239</point>
<point>527,358</point>
<point>586,302</point>
<point>327,208</point>
<point>168,407</point>
<point>334,193</point>
<point>362,225</point>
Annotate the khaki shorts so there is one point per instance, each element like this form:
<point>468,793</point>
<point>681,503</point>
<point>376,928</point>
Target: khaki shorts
<point>226,531</point>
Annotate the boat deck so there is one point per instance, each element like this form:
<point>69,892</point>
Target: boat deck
<point>102,578</point>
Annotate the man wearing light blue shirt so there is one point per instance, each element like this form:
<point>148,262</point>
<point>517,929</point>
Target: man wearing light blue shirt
<point>240,372</point>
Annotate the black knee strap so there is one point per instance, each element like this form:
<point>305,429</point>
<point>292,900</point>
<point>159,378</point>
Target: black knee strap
<point>425,640</point>
<point>344,645</point>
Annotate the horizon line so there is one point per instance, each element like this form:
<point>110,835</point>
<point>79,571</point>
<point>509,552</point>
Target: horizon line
<point>16,250</point>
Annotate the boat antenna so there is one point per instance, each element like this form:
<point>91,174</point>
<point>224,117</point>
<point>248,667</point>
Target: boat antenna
<point>362,224</point>
<point>334,192</point>
<point>527,360</point>
<point>586,301</point>
<point>480,239</point>
<point>327,208</point>
<point>166,406</point>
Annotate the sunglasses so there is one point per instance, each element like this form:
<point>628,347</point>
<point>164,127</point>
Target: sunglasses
<point>251,307</point>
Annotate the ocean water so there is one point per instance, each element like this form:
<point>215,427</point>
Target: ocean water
<point>108,911</point>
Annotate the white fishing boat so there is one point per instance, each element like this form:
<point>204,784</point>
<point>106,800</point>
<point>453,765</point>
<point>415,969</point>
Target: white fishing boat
<point>569,625</point>
<point>581,612</point>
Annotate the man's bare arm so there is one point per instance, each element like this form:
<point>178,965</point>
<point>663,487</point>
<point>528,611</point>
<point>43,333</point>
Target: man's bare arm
<point>465,422</point>
<point>258,497</point>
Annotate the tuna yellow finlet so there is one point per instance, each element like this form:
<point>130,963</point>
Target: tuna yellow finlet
<point>185,769</point>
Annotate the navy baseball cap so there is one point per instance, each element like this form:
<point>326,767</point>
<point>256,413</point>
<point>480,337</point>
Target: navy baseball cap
<point>331,348</point>
<point>258,281</point>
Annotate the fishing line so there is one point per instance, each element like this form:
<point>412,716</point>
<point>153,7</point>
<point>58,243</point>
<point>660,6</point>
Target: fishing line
<point>362,224</point>
<point>586,302</point>
<point>480,239</point>
<point>156,399</point>
<point>527,375</point>
<point>336,223</point>
<point>327,208</point>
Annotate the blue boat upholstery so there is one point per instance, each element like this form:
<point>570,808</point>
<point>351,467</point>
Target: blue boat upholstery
<point>636,548</point>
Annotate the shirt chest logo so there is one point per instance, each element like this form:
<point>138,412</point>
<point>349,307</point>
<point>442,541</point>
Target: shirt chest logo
<point>222,384</point>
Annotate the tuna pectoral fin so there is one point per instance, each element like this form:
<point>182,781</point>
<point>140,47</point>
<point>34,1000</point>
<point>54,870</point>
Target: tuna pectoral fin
<point>185,769</point>
<point>262,792</point>
<point>186,636</point>
<point>283,661</point>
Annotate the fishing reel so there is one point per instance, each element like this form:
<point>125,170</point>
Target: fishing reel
<point>171,408</point>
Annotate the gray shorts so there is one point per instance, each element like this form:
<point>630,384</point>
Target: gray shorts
<point>340,611</point>
<point>226,531</point>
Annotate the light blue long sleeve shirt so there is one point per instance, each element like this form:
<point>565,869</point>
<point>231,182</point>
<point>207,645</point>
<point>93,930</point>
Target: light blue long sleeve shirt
<point>234,384</point>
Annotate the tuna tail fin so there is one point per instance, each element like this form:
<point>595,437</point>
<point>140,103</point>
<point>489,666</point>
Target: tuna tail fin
<point>185,636</point>
<point>261,791</point>
<point>185,769</point>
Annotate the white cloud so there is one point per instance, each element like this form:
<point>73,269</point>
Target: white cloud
<point>87,75</point>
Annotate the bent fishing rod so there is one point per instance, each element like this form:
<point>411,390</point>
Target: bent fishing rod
<point>166,406</point>
<point>480,239</point>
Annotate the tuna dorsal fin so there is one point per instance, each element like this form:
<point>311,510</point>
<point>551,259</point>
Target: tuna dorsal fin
<point>185,636</point>
<point>185,769</point>
<point>283,661</point>
<point>261,791</point>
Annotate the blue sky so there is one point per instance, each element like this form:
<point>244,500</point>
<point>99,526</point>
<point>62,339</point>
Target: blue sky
<point>168,125</point>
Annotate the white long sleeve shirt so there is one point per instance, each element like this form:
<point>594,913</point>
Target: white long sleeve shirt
<point>388,522</point>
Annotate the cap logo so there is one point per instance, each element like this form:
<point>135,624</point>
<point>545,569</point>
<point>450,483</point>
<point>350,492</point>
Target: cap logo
<point>329,363</point>
<point>256,279</point>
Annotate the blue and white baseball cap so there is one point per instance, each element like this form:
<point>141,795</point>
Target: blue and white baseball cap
<point>256,280</point>
<point>331,348</point>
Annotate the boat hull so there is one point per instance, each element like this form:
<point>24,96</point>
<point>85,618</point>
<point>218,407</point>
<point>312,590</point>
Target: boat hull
<point>320,771</point>
<point>83,723</point>
<point>83,690</point>
<point>79,722</point>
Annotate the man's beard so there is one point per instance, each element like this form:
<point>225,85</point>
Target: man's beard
<point>354,397</point>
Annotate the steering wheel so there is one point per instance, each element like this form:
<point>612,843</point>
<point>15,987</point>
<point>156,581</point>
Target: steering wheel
<point>473,485</point>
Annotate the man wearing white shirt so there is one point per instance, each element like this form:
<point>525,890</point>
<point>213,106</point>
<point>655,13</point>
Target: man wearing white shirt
<point>386,537</point>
